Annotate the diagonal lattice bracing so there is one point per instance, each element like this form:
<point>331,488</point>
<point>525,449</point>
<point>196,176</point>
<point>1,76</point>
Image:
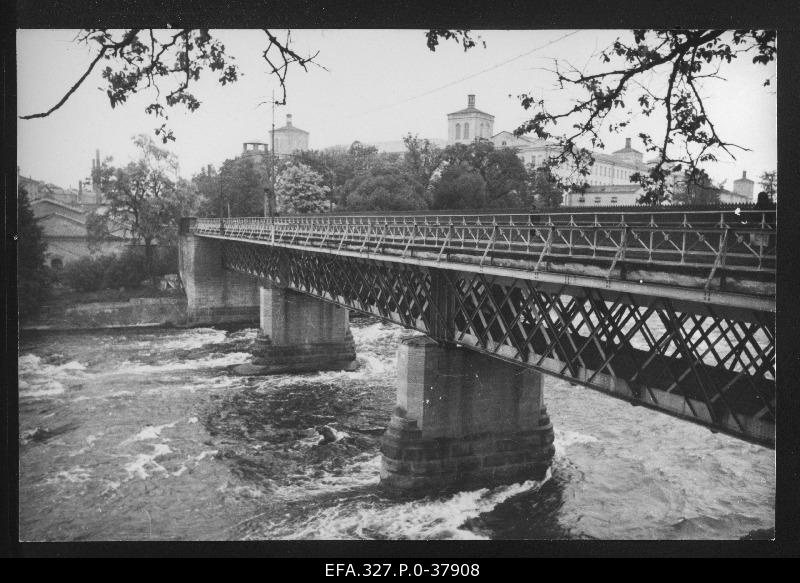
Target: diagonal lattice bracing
<point>694,361</point>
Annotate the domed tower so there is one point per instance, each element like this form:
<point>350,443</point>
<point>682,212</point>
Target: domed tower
<point>289,139</point>
<point>469,124</point>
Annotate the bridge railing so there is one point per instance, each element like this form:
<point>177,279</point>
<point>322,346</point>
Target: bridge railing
<point>740,240</point>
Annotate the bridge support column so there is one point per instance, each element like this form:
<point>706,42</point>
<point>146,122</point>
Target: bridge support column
<point>214,295</point>
<point>463,420</point>
<point>300,333</point>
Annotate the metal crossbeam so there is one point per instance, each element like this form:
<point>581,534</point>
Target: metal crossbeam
<point>714,365</point>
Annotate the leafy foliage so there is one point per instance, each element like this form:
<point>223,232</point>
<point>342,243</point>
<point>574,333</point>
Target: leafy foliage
<point>697,189</point>
<point>32,274</point>
<point>385,189</point>
<point>142,199</point>
<point>769,184</point>
<point>421,158</point>
<point>236,190</point>
<point>502,172</point>
<point>544,188</point>
<point>300,190</point>
<point>169,63</point>
<point>459,187</point>
<point>685,57</point>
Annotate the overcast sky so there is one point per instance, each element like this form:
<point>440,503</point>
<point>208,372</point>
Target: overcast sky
<point>376,85</point>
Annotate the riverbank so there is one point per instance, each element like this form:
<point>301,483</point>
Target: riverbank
<point>123,308</point>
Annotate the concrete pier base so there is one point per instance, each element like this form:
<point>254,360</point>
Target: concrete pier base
<point>463,420</point>
<point>300,334</point>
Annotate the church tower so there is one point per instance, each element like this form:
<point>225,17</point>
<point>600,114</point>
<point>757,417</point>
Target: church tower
<point>469,124</point>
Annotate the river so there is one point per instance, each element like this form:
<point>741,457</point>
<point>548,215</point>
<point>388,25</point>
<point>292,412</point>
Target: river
<point>148,435</point>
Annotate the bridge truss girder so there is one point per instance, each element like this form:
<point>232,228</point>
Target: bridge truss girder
<point>712,366</point>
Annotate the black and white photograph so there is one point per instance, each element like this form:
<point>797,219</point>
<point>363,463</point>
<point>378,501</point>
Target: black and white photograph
<point>396,284</point>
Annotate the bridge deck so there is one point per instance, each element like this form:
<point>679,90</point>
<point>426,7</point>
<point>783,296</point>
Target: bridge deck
<point>720,257</point>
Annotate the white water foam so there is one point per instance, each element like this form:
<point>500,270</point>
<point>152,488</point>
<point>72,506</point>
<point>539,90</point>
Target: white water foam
<point>143,462</point>
<point>38,379</point>
<point>565,438</point>
<point>213,361</point>
<point>420,519</point>
<point>74,475</point>
<point>150,432</point>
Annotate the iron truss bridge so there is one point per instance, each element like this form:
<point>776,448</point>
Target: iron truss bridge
<point>672,310</point>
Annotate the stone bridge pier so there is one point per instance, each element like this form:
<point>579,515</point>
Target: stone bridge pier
<point>214,295</point>
<point>463,420</point>
<point>301,334</point>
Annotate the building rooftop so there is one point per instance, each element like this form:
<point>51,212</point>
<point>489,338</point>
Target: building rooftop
<point>471,108</point>
<point>289,127</point>
<point>627,149</point>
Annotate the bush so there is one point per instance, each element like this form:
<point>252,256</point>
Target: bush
<point>128,270</point>
<point>103,272</point>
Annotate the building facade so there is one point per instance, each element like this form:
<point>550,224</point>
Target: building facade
<point>289,138</point>
<point>468,124</point>
<point>62,213</point>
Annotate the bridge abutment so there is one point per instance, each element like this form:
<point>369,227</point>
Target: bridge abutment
<point>213,295</point>
<point>463,420</point>
<point>300,334</point>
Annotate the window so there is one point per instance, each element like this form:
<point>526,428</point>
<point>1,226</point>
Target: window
<point>466,131</point>
<point>503,143</point>
<point>613,200</point>
<point>458,131</point>
<point>596,200</point>
<point>56,263</point>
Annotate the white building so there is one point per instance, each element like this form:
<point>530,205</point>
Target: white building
<point>468,124</point>
<point>289,138</point>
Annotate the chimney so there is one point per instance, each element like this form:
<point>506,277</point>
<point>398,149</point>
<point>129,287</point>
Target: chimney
<point>470,101</point>
<point>97,157</point>
<point>627,143</point>
<point>288,120</point>
<point>744,174</point>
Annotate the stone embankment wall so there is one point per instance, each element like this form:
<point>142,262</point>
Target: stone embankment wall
<point>136,312</point>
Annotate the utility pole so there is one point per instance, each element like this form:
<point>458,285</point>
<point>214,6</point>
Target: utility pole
<point>272,201</point>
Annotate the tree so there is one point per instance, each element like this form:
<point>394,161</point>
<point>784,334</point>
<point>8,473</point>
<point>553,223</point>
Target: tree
<point>421,158</point>
<point>695,190</point>
<point>544,187</point>
<point>139,60</point>
<point>237,190</point>
<point>32,273</point>
<point>141,199</point>
<point>685,57</point>
<point>385,188</point>
<point>502,171</point>
<point>769,184</point>
<point>459,187</point>
<point>300,190</point>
